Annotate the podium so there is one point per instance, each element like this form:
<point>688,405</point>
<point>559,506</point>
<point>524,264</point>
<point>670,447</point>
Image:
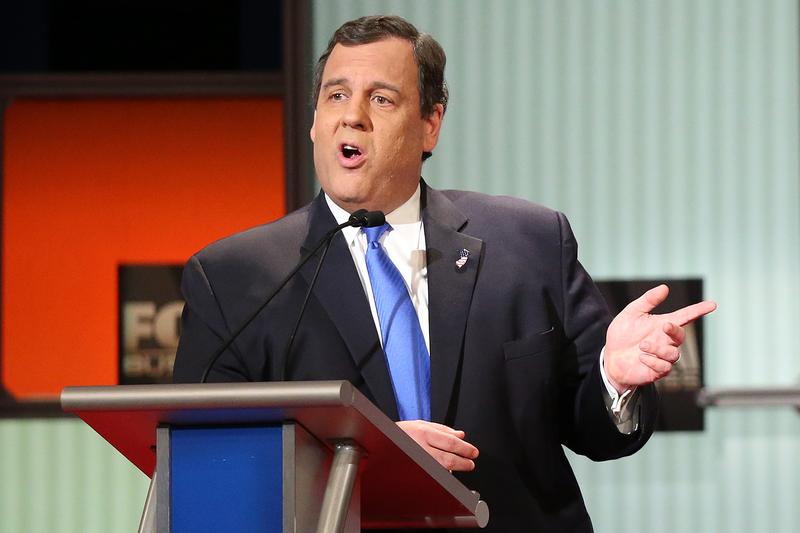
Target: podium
<point>279,457</point>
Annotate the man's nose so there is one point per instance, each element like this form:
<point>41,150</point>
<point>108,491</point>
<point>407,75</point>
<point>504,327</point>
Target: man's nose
<point>356,114</point>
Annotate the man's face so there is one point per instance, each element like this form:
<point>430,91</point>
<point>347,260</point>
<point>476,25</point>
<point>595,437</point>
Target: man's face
<point>368,131</point>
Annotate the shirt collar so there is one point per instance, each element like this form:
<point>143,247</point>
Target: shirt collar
<point>407,213</point>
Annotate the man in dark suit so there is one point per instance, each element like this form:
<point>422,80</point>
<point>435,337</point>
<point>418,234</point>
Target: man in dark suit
<point>517,354</point>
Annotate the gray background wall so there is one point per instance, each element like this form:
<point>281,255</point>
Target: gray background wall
<point>668,132</point>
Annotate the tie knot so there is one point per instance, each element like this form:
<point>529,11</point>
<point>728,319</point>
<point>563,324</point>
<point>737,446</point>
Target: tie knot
<point>374,234</point>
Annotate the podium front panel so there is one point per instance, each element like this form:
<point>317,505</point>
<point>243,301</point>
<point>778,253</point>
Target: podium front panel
<point>226,479</point>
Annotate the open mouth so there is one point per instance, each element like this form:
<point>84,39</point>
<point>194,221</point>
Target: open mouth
<point>350,151</point>
<point>351,156</point>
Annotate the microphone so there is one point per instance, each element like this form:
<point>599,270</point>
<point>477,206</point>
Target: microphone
<point>367,219</point>
<point>360,218</point>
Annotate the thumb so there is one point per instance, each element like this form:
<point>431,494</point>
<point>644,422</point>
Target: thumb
<point>649,300</point>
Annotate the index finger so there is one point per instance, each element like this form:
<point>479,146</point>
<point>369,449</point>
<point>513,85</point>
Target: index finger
<point>690,313</point>
<point>453,444</point>
<point>446,429</point>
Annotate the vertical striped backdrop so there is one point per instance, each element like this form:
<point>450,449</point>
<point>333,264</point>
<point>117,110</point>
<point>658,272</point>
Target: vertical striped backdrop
<point>668,132</point>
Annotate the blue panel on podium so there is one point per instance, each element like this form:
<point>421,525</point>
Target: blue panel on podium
<point>226,479</point>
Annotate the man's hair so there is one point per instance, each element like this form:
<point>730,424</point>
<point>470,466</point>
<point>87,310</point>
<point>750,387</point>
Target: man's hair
<point>428,54</point>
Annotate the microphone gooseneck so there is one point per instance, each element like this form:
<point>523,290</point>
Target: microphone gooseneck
<point>287,352</point>
<point>361,218</point>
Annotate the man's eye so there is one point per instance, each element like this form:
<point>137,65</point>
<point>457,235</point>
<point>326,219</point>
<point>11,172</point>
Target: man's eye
<point>381,100</point>
<point>337,97</point>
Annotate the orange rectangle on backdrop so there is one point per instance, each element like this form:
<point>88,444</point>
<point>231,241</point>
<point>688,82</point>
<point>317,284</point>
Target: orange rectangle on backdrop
<point>91,184</point>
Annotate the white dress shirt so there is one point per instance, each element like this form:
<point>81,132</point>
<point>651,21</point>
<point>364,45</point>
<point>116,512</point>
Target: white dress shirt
<point>405,246</point>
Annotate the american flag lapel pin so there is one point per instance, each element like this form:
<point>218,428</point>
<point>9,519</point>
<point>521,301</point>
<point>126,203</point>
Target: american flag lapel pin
<point>463,256</point>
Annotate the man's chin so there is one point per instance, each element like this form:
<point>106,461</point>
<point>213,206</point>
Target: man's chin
<point>350,202</point>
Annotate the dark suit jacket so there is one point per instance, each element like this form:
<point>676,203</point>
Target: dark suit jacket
<point>515,340</point>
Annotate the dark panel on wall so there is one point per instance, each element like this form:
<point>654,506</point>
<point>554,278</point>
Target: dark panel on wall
<point>127,35</point>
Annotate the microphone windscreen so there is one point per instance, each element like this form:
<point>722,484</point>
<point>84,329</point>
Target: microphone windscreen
<point>374,218</point>
<point>367,219</point>
<point>357,217</point>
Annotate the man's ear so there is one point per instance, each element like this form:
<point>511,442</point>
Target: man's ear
<point>433,125</point>
<point>312,133</point>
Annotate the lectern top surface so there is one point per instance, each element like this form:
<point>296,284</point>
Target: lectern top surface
<point>127,417</point>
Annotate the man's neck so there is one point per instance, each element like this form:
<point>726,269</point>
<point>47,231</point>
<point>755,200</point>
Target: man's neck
<point>408,212</point>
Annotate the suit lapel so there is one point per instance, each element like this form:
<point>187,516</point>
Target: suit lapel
<point>339,291</point>
<point>450,292</point>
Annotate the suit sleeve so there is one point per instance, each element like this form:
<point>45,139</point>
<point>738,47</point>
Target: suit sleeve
<point>203,332</point>
<point>587,428</point>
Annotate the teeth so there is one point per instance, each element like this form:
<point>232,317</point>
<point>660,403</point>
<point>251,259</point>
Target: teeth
<point>350,147</point>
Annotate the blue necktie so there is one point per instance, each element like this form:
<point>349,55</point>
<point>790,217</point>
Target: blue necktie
<point>403,343</point>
